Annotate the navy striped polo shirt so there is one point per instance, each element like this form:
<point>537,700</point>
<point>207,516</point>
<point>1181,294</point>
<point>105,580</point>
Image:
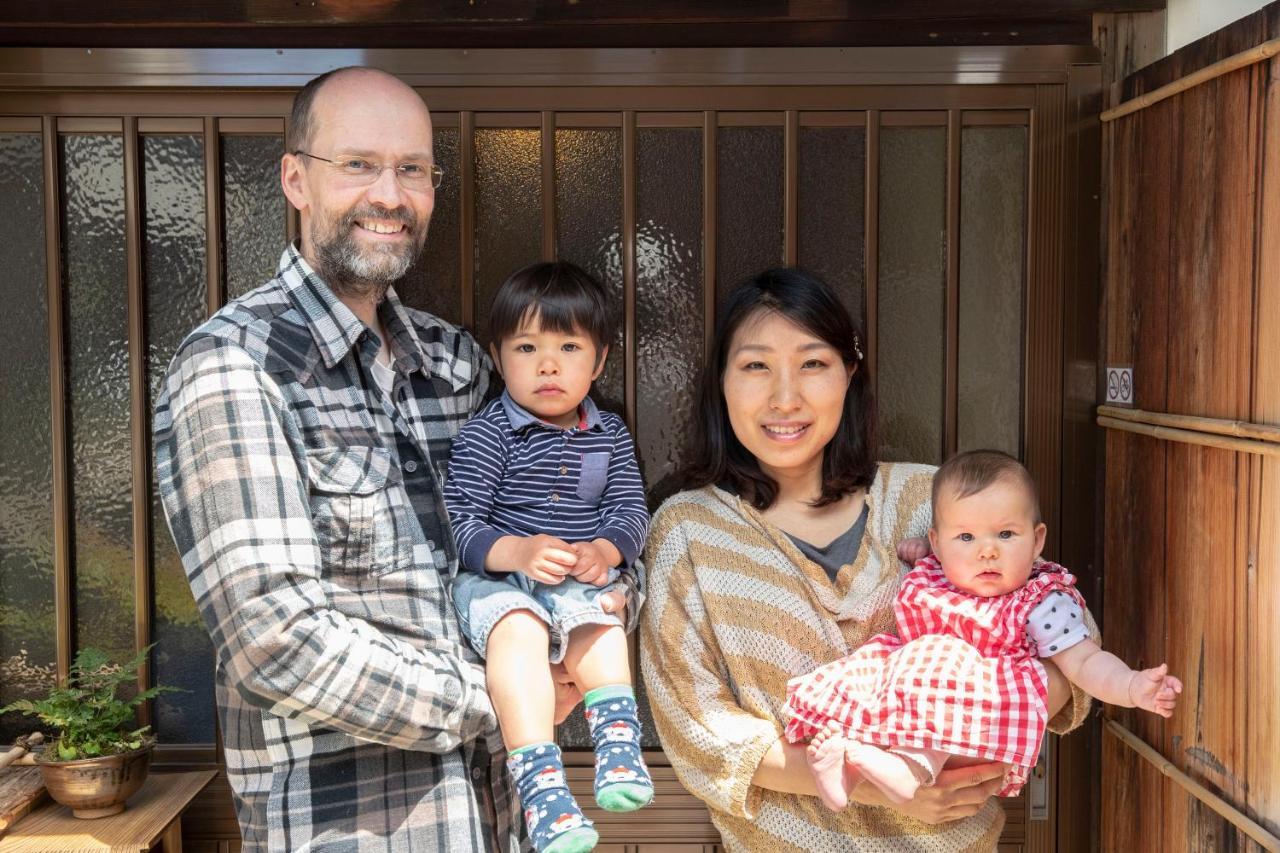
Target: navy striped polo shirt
<point>511,474</point>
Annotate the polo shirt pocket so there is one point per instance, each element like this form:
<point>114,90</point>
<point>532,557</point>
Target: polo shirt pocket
<point>352,510</point>
<point>594,475</point>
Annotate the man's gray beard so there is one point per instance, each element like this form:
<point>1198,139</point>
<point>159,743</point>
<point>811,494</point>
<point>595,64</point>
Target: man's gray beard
<point>349,271</point>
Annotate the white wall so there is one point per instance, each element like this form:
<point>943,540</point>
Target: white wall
<point>1188,20</point>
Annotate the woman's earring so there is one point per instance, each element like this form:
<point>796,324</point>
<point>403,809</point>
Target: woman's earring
<point>857,347</point>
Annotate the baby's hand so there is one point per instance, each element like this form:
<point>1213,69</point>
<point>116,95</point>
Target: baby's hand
<point>546,559</point>
<point>912,549</point>
<point>1154,690</point>
<point>593,564</point>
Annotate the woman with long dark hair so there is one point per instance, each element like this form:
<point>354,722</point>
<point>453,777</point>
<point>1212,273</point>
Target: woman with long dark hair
<point>780,556</point>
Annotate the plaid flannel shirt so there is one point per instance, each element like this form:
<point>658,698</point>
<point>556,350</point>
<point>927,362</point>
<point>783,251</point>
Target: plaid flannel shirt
<point>354,717</point>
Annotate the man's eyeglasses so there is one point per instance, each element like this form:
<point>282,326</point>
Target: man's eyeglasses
<point>412,175</point>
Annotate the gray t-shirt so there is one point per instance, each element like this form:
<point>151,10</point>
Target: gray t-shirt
<point>841,551</point>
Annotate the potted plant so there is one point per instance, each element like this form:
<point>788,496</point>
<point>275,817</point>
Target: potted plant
<point>98,760</point>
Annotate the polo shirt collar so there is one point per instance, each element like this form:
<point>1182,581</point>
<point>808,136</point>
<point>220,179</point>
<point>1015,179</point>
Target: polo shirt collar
<point>520,417</point>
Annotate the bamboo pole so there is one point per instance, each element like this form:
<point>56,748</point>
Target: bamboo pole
<point>1253,55</point>
<point>1237,818</point>
<point>1217,426</point>
<point>1187,436</point>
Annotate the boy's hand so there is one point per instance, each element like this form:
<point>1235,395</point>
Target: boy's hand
<point>594,561</point>
<point>913,548</point>
<point>545,559</point>
<point>1154,690</point>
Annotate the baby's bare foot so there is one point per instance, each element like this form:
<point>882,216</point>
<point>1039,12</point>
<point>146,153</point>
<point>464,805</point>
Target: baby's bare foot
<point>826,754</point>
<point>896,776</point>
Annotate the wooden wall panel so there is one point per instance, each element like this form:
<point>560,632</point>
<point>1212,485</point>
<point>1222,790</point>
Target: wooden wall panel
<point>1134,627</point>
<point>1263,591</point>
<point>1193,244</point>
<point>1133,526</point>
<point>1201,572</point>
<point>1211,290</point>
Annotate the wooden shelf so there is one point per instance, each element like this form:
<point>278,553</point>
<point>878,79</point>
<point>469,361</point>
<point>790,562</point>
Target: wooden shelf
<point>154,814</point>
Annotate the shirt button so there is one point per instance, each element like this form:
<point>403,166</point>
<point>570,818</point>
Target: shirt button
<point>411,466</point>
<point>475,773</point>
<point>555,496</point>
<point>564,469</point>
<point>431,544</point>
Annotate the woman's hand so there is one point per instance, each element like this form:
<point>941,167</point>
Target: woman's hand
<point>960,792</point>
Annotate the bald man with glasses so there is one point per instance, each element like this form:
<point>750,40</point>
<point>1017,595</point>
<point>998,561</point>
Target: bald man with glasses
<point>301,438</point>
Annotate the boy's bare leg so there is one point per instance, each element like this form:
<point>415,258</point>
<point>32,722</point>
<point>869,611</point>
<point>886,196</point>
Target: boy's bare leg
<point>597,656</point>
<point>597,659</point>
<point>518,677</point>
<point>832,774</point>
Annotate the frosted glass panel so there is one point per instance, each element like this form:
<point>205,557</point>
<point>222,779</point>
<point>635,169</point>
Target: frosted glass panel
<point>253,211</point>
<point>911,292</point>
<point>669,297</point>
<point>993,212</point>
<point>749,201</point>
<point>508,208</point>
<point>174,265</point>
<point>98,389</point>
<point>589,230</point>
<point>434,283</point>
<point>833,209</point>
<point>27,632</point>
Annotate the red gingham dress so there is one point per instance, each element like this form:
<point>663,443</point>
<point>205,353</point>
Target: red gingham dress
<point>962,676</point>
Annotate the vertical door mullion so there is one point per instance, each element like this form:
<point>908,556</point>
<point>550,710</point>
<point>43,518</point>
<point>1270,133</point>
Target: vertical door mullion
<point>629,262</point>
<point>548,185</point>
<point>467,216</point>
<point>213,292</point>
<point>141,509</point>
<point>791,187</point>
<point>951,406</point>
<point>292,219</point>
<point>63,601</point>
<point>871,240</point>
<point>708,230</point>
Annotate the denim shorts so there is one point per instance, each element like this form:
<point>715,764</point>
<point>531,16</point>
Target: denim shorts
<point>481,600</point>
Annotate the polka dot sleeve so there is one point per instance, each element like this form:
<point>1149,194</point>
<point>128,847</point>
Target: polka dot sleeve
<point>1056,624</point>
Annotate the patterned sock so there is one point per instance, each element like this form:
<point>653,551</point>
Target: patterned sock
<point>555,823</point>
<point>622,780</point>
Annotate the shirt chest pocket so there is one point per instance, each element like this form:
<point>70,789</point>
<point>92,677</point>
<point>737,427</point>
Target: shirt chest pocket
<point>594,475</point>
<point>356,510</point>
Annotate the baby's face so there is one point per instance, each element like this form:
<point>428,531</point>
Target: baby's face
<point>988,541</point>
<point>547,372</point>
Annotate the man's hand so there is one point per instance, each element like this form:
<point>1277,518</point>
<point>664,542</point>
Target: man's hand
<point>1155,690</point>
<point>595,559</point>
<point>913,548</point>
<point>544,558</point>
<point>960,792</point>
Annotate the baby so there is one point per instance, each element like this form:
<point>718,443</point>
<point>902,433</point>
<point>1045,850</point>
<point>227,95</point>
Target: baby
<point>546,502</point>
<point>962,677</point>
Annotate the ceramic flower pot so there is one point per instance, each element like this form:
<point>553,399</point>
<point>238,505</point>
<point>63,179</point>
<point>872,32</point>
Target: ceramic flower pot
<point>95,787</point>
